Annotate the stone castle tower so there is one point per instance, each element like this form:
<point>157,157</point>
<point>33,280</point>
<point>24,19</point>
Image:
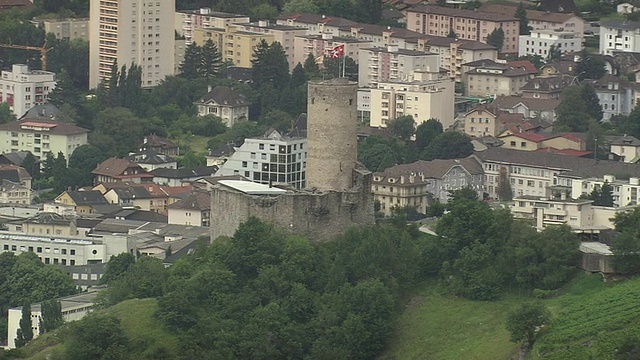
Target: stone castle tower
<point>331,134</point>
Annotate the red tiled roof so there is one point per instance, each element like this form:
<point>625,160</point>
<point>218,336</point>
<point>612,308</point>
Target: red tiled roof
<point>525,64</point>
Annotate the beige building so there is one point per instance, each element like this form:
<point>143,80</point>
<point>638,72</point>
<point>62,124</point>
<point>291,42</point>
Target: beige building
<point>486,77</point>
<point>627,147</point>
<point>65,29</point>
<point>467,24</point>
<point>455,52</point>
<point>487,120</point>
<point>545,212</point>
<point>194,209</point>
<point>424,96</point>
<point>283,34</point>
<point>41,136</point>
<point>319,46</point>
<point>235,45</point>
<point>45,223</point>
<point>225,103</point>
<point>528,141</point>
<point>186,21</point>
<point>419,183</point>
<point>131,31</point>
<point>530,108</point>
<point>316,24</point>
<point>391,63</point>
<point>542,20</point>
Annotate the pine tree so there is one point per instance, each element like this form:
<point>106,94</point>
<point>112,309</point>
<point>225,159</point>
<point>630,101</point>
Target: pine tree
<point>521,14</point>
<point>496,38</point>
<point>51,316</point>
<point>310,66</point>
<point>588,94</point>
<point>270,65</point>
<point>504,186</point>
<point>25,332</point>
<point>298,76</point>
<point>191,63</point>
<point>210,60</point>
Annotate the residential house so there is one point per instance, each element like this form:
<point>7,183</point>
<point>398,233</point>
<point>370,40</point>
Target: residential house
<point>455,52</point>
<point>219,156</point>
<point>528,141</point>
<point>382,36</point>
<point>619,35</point>
<point>140,215</point>
<point>466,24</point>
<point>225,103</point>
<point>177,177</point>
<point>129,197</point>
<point>626,147</point>
<point>539,42</point>
<point>549,87</point>
<point>424,95</point>
<point>530,108</point>
<point>417,184</point>
<point>194,209</point>
<point>626,8</point>
<point>150,160</point>
<point>558,211</point>
<point>272,158</point>
<point>22,88</point>
<point>487,77</point>
<point>391,63</point>
<point>115,169</point>
<point>558,67</point>
<point>148,196</point>
<point>542,20</point>
<point>14,193</point>
<point>82,202</point>
<point>487,120</point>
<point>44,223</point>
<point>41,136</point>
<point>616,95</point>
<point>159,145</point>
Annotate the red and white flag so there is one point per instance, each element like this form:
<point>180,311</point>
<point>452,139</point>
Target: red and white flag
<point>337,52</point>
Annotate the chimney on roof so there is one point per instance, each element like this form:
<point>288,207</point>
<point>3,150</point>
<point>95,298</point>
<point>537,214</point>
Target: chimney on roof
<point>208,89</point>
<point>324,16</point>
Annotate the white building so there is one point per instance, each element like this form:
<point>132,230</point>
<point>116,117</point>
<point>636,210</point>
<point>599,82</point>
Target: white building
<point>40,136</point>
<point>382,64</point>
<point>625,192</point>
<point>619,35</point>
<point>626,8</point>
<point>131,31</point>
<point>73,308</point>
<point>424,96</point>
<point>23,89</point>
<point>66,250</point>
<point>539,42</point>
<point>225,103</point>
<point>273,158</point>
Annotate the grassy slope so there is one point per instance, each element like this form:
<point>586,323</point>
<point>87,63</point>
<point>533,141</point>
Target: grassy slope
<point>141,327</point>
<point>587,315</point>
<point>197,143</point>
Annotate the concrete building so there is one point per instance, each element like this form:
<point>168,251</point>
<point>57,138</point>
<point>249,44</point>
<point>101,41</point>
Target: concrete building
<point>65,29</point>
<point>466,24</point>
<point>235,45</point>
<point>194,209</point>
<point>546,87</point>
<point>73,308</point>
<point>619,35</point>
<point>539,42</point>
<point>392,63</point>
<point>186,21</point>
<point>487,77</point>
<point>417,184</point>
<point>273,158</point>
<point>225,103</point>
<point>131,31</point>
<point>41,136</point>
<point>616,95</point>
<point>44,223</point>
<point>67,250</point>
<point>625,192</point>
<point>338,190</point>
<point>455,52</point>
<point>319,46</point>
<point>316,24</point>
<point>487,120</point>
<point>543,20</point>
<point>283,34</point>
<point>23,89</point>
<point>545,212</point>
<point>530,108</point>
<point>423,95</point>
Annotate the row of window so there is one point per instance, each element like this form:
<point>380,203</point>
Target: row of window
<point>39,249</point>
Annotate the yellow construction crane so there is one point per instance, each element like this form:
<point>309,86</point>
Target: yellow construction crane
<point>43,51</point>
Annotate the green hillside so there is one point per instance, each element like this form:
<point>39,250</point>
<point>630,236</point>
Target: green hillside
<point>591,319</point>
<point>145,334</point>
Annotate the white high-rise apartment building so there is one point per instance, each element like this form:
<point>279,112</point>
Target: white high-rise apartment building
<point>23,89</point>
<point>131,31</point>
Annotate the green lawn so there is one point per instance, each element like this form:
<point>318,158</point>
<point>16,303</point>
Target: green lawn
<point>441,327</point>
<point>197,143</point>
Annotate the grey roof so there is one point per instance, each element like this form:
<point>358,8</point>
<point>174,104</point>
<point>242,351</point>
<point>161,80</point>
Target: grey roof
<point>434,169</point>
<point>185,251</point>
<point>149,156</point>
<point>196,200</point>
<point>15,158</point>
<point>48,218</point>
<point>548,84</point>
<point>47,110</point>
<point>109,226</point>
<point>238,73</point>
<point>463,43</point>
<point>132,192</point>
<point>184,173</point>
<point>224,150</point>
<point>627,140</point>
<point>224,95</point>
<point>141,215</point>
<point>299,128</point>
<point>620,24</point>
<point>568,165</point>
<point>92,197</point>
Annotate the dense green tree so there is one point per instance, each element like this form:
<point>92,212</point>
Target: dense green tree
<point>590,98</point>
<point>190,159</point>
<point>378,153</point>
<point>426,132</point>
<point>523,324</point>
<point>31,164</point>
<point>82,162</point>
<point>121,125</point>
<point>51,316</point>
<point>117,267</point>
<point>189,68</point>
<point>572,112</point>
<point>473,274</point>
<point>270,65</point>
<point>264,12</point>
<point>403,127</point>
<point>25,331</point>
<point>6,115</point>
<point>521,14</point>
<point>626,250</point>
<point>555,54</point>
<point>590,66</point>
<point>298,76</point>
<point>301,6</point>
<point>448,145</point>
<point>452,34</point>
<point>97,337</point>
<point>504,190</point>
<point>310,67</point>
<point>334,68</point>
<point>602,196</point>
<point>210,60</point>
<point>496,38</point>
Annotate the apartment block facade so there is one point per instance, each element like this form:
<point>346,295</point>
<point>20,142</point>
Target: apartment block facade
<point>283,34</point>
<point>66,29</point>
<point>319,46</point>
<point>391,63</point>
<point>455,52</point>
<point>424,96</point>
<point>22,88</point>
<point>625,192</point>
<point>466,24</point>
<point>486,77</point>
<point>186,21</point>
<point>131,31</point>
<point>235,45</point>
<point>619,35</point>
<point>539,42</point>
